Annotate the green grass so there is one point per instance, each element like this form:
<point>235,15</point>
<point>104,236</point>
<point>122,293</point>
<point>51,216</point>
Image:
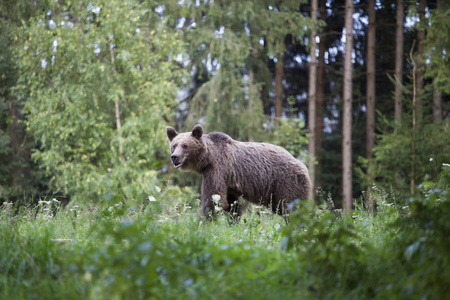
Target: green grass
<point>160,250</point>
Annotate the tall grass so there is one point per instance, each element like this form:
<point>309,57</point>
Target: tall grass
<point>159,249</point>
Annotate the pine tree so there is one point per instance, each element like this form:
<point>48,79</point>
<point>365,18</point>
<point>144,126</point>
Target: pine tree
<point>399,59</point>
<point>347,110</point>
<point>370,98</point>
<point>312,101</point>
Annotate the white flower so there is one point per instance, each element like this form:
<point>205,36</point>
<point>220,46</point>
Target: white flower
<point>51,24</point>
<point>431,159</point>
<point>44,202</point>
<point>446,165</point>
<point>216,198</point>
<point>54,199</point>
<point>158,189</point>
<point>151,199</point>
<point>96,10</point>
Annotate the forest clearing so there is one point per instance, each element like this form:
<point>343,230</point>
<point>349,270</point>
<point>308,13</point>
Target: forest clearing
<point>341,106</point>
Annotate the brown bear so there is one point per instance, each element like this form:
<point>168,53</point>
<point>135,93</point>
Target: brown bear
<point>261,173</point>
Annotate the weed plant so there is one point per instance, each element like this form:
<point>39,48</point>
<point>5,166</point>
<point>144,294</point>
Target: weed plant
<point>158,249</point>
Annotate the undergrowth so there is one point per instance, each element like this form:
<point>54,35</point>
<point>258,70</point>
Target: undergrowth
<point>158,249</point>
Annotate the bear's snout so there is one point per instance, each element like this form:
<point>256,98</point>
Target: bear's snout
<point>175,160</point>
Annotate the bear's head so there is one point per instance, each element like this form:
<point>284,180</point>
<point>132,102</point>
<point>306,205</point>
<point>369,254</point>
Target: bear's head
<point>186,148</point>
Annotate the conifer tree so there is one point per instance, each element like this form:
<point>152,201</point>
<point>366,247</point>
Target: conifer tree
<point>347,110</point>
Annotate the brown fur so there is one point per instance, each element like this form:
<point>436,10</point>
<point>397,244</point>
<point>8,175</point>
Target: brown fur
<point>261,173</point>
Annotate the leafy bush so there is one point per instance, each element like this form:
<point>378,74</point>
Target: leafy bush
<point>421,247</point>
<point>332,253</point>
<point>97,79</point>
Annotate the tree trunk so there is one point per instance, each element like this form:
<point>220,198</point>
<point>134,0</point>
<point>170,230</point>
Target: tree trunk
<point>279,87</point>
<point>116,105</point>
<point>420,58</point>
<point>347,111</point>
<point>320,93</point>
<point>437,96</point>
<point>437,105</point>
<point>370,120</point>
<point>312,102</point>
<point>414,116</point>
<point>399,60</point>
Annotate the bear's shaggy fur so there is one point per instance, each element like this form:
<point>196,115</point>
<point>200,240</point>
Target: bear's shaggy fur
<point>261,173</point>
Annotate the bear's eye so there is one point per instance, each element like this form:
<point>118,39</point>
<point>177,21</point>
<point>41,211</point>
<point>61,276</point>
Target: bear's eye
<point>184,146</point>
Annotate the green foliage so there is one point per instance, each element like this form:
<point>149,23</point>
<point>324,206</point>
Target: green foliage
<point>422,244</point>
<point>222,102</point>
<point>330,249</point>
<point>19,176</point>
<point>292,136</point>
<point>158,249</point>
<point>394,156</point>
<point>437,45</point>
<point>230,45</point>
<point>85,70</point>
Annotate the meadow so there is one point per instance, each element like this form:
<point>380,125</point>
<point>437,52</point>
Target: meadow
<point>156,248</point>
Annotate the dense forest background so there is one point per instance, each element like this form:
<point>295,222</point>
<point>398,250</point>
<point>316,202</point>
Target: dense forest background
<point>87,88</point>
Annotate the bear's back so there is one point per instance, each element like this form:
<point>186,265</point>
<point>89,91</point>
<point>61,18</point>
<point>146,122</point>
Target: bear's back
<point>219,138</point>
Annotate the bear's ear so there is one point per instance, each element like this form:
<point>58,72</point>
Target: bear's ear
<point>197,131</point>
<point>171,133</point>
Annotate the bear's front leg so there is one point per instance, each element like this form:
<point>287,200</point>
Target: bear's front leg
<point>209,189</point>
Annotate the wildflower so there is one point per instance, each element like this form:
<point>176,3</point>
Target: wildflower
<point>216,198</point>
<point>446,165</point>
<point>431,159</point>
<point>158,189</point>
<point>54,200</point>
<point>151,199</point>
<point>87,276</point>
<point>44,202</point>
